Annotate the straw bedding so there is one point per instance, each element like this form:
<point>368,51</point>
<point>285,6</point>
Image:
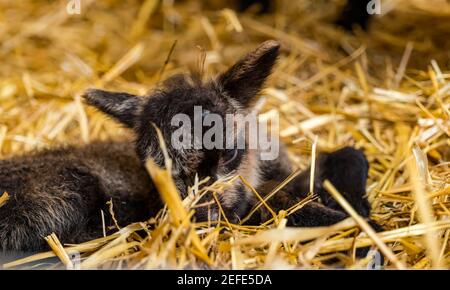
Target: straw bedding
<point>386,91</point>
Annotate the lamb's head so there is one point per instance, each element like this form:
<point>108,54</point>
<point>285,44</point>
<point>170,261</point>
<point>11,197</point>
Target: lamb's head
<point>184,99</point>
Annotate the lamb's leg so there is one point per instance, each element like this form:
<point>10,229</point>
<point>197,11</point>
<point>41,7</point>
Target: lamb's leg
<point>347,170</point>
<point>315,214</point>
<point>312,214</point>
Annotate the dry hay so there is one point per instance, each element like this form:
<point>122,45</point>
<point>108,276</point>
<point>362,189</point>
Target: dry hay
<point>387,92</point>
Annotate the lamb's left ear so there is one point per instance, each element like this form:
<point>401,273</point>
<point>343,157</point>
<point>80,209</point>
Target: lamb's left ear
<point>122,106</point>
<point>245,79</point>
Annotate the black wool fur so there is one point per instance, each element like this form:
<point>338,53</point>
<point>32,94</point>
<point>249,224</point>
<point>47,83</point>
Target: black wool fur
<point>354,13</point>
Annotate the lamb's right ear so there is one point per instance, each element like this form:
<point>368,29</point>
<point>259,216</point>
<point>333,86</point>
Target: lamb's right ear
<point>245,78</point>
<point>121,106</point>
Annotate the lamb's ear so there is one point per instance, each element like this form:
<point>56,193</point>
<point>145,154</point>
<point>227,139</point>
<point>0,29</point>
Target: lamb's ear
<point>245,79</point>
<point>121,106</point>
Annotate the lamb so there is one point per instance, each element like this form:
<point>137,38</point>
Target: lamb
<point>62,190</point>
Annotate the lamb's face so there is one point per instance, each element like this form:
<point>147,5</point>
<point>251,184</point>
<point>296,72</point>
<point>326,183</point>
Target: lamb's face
<point>185,110</point>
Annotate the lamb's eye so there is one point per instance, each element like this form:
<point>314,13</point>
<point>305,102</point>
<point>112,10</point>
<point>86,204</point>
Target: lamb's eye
<point>230,155</point>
